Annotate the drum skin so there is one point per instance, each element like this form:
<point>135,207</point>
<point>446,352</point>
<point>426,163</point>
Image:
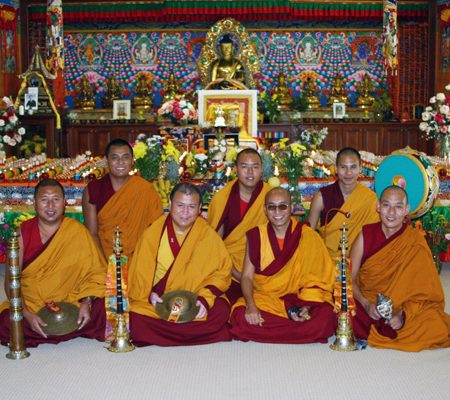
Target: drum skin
<point>413,171</point>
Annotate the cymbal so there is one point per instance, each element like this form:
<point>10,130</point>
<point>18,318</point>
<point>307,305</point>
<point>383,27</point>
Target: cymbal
<point>61,318</point>
<point>178,306</point>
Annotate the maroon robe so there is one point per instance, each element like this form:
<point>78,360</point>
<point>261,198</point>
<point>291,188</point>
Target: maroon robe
<point>33,247</point>
<point>332,198</point>
<point>277,329</point>
<point>100,191</point>
<point>374,241</point>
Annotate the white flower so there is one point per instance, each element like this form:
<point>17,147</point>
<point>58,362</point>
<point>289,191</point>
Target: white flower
<point>428,108</point>
<point>433,100</point>
<point>21,131</point>
<point>2,122</point>
<point>7,139</point>
<point>426,116</point>
<point>13,119</point>
<point>18,138</point>
<point>183,103</point>
<point>423,126</point>
<point>447,87</point>
<point>440,96</point>
<point>444,109</point>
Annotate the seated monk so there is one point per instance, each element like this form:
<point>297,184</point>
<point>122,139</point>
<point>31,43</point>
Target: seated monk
<point>60,263</point>
<point>180,251</point>
<point>287,281</point>
<point>119,199</point>
<point>347,195</point>
<point>393,259</point>
<point>237,208</point>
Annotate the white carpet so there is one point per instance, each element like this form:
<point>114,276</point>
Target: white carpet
<point>84,369</point>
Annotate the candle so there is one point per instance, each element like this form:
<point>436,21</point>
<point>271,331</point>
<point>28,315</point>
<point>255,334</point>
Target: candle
<point>21,110</point>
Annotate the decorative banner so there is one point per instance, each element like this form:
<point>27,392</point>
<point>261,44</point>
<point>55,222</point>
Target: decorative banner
<point>390,39</point>
<point>55,49</point>
<point>8,45</point>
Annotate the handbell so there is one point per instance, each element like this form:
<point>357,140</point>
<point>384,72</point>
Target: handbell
<point>345,340</point>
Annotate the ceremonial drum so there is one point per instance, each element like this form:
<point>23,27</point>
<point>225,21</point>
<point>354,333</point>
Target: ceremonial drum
<point>412,171</point>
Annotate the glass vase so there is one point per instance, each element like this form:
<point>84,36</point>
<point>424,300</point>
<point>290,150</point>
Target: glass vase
<point>444,146</point>
<point>296,196</point>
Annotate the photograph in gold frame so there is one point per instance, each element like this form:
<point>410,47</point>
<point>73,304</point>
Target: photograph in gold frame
<point>239,106</point>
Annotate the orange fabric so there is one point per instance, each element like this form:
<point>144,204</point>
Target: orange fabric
<point>404,271</point>
<point>201,265</point>
<point>361,204</point>
<point>70,268</point>
<point>235,242</point>
<point>309,274</point>
<point>133,208</point>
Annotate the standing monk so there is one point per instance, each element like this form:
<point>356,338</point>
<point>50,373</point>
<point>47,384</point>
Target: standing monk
<point>237,208</point>
<point>119,199</point>
<point>60,263</point>
<point>348,195</point>
<point>393,259</point>
<point>287,281</point>
<point>180,251</point>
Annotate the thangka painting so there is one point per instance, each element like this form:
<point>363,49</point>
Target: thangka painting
<point>300,55</point>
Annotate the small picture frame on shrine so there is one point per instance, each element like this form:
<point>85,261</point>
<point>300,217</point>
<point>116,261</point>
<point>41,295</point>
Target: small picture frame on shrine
<point>338,110</point>
<point>121,109</point>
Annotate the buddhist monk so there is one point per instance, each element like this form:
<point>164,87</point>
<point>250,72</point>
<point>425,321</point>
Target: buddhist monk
<point>60,262</point>
<point>119,199</point>
<point>287,281</point>
<point>180,251</point>
<point>237,208</point>
<point>357,202</point>
<point>393,259</point>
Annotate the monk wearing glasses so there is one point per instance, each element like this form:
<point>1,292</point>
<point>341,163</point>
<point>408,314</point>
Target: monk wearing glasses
<point>287,280</point>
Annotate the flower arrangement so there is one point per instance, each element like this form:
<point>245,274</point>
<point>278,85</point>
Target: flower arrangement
<point>436,117</point>
<point>179,111</point>
<point>289,161</point>
<point>269,106</point>
<point>10,132</point>
<point>312,137</point>
<point>148,152</point>
<point>171,159</point>
<point>435,229</point>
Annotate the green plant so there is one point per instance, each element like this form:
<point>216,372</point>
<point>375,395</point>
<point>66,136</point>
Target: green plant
<point>300,103</point>
<point>382,103</point>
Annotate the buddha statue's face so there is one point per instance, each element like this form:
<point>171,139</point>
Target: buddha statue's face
<point>226,50</point>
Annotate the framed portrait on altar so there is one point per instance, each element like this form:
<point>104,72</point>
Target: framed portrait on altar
<point>121,109</point>
<point>239,109</point>
<point>338,110</point>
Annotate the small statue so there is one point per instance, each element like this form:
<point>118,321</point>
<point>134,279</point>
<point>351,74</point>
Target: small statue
<point>113,91</point>
<point>365,90</point>
<point>311,93</point>
<point>142,90</point>
<point>219,122</point>
<point>338,92</point>
<point>283,93</point>
<point>227,66</point>
<point>172,90</point>
<point>86,98</point>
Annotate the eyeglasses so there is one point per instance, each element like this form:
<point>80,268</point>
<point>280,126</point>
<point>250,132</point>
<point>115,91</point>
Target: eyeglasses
<point>273,207</point>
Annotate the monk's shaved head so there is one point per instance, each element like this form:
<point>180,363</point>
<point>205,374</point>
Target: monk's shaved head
<point>393,189</point>
<point>278,191</point>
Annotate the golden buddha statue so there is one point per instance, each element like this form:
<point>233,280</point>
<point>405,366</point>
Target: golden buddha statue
<point>85,98</point>
<point>337,91</point>
<point>365,90</point>
<point>311,94</point>
<point>113,91</point>
<point>143,92</point>
<point>227,66</point>
<point>172,90</point>
<point>283,93</point>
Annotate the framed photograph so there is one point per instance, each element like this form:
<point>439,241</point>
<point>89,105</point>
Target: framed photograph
<point>31,101</point>
<point>338,110</point>
<point>239,108</point>
<point>122,109</point>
